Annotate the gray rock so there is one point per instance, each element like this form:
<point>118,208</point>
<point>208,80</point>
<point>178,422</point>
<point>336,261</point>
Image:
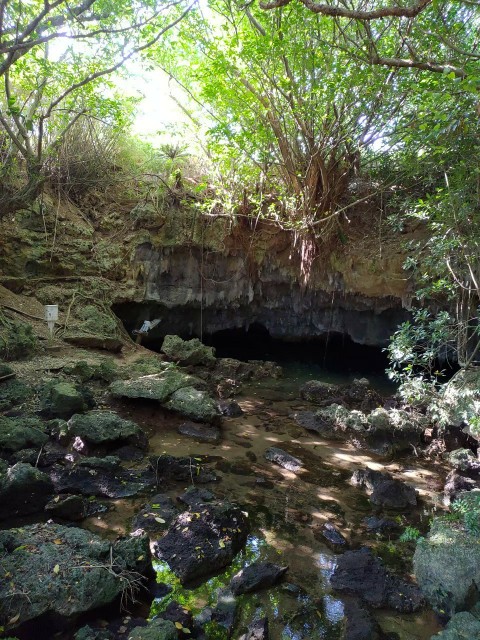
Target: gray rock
<point>283,459</point>
<point>447,567</point>
<point>105,428</point>
<point>194,496</point>
<point>200,432</point>
<point>359,623</point>
<point>333,538</point>
<point>181,469</point>
<point>194,404</point>
<point>385,490</point>
<point>259,575</point>
<point>320,392</point>
<point>65,570</point>
<point>199,543</point>
<point>23,490</point>
<point>188,352</point>
<point>463,626</point>
<point>463,460</point>
<point>456,484</point>
<point>230,409</point>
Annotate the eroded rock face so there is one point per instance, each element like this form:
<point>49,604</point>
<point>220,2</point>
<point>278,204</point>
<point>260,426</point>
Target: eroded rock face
<point>187,352</point>
<point>200,542</point>
<point>64,570</point>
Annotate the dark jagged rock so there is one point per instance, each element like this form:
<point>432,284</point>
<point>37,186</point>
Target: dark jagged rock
<point>361,574</point>
<point>259,575</point>
<point>225,611</point>
<point>320,392</point>
<point>230,409</point>
<point>200,432</point>
<point>332,537</point>
<point>320,423</point>
<point>360,625</point>
<point>176,613</point>
<point>379,525</point>
<point>64,570</point>
<point>464,460</point>
<point>67,507</point>
<point>257,630</point>
<point>156,516</point>
<point>385,490</point>
<point>184,469</point>
<point>46,456</point>
<point>283,459</point>
<point>23,490</point>
<point>99,482</point>
<point>199,543</point>
<point>194,496</point>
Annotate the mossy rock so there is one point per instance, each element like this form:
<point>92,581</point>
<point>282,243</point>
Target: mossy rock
<point>194,404</point>
<point>188,352</point>
<point>5,369</point>
<point>158,386</point>
<point>463,626</point>
<point>13,393</point>
<point>95,321</point>
<point>105,371</point>
<point>17,340</point>
<point>21,433</point>
<point>158,629</point>
<point>63,399</point>
<point>105,427</point>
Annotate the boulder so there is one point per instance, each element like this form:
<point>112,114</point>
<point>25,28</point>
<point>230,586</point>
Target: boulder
<point>385,491</point>
<point>200,432</point>
<point>188,352</point>
<point>463,626</point>
<point>322,422</point>
<point>200,543</point>
<point>283,459</point>
<point>359,623</point>
<point>394,430</point>
<point>194,496</point>
<point>447,567</point>
<point>194,404</point>
<point>21,433</point>
<point>456,484</point>
<point>333,538</point>
<point>320,392</point>
<point>230,409</point>
<point>463,460</point>
<point>361,574</point>
<point>176,613</point>
<point>105,428</point>
<point>63,399</point>
<point>65,570</point>
<point>23,490</point>
<point>259,575</point>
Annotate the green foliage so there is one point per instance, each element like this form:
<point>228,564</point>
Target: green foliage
<point>410,534</point>
<point>467,509</point>
<point>106,371</point>
<point>17,339</point>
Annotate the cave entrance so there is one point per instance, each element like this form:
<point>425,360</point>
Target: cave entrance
<point>335,352</point>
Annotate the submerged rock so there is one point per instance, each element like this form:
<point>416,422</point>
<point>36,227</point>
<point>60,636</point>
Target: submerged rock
<point>23,490</point>
<point>385,491</point>
<point>67,507</point>
<point>105,428</point>
<point>181,469</point>
<point>188,352</point>
<point>361,574</point>
<point>283,459</point>
<point>119,483</point>
<point>463,626</point>
<point>257,630</point>
<point>359,623</point>
<point>447,567</point>
<point>65,570</point>
<point>200,432</point>
<point>199,543</point>
<point>259,575</point>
